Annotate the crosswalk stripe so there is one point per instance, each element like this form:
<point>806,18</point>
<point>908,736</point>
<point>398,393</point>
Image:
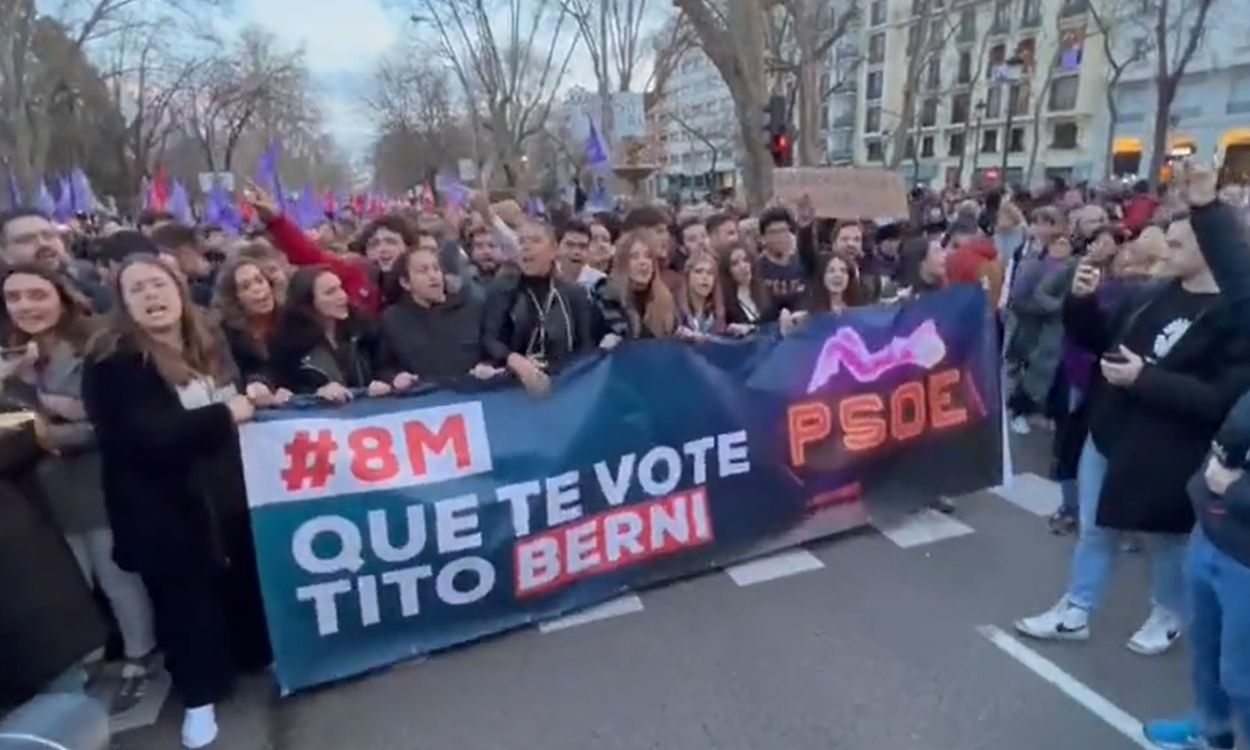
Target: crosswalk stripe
<point>788,563</point>
<point>624,605</point>
<point>1037,495</point>
<point>926,527</point>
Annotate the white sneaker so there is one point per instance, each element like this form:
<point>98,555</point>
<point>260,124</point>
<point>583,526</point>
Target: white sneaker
<point>1020,425</point>
<point>1157,634</point>
<point>1062,622</point>
<point>199,727</point>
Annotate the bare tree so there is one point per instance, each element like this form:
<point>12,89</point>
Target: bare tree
<point>420,129</point>
<point>1179,26</point>
<point>716,142</point>
<point>732,38</point>
<point>250,83</point>
<point>40,44</point>
<point>612,31</point>
<point>511,57</point>
<point>1041,95</point>
<point>669,46</point>
<point>811,29</point>
<point>931,32</point>
<point>1118,17</point>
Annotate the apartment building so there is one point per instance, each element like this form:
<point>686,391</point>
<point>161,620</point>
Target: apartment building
<point>962,92</point>
<point>1210,116</point>
<point>697,131</point>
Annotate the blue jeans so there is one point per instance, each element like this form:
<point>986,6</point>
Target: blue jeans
<point>1219,591</point>
<point>1097,547</point>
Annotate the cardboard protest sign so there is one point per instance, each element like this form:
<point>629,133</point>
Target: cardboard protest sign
<point>843,192</point>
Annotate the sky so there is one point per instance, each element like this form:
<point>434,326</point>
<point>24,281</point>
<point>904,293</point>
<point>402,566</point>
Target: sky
<point>343,41</point>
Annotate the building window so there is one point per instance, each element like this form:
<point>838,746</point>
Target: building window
<point>989,141</point>
<point>998,56</point>
<point>878,12</point>
<point>1073,7</point>
<point>876,152</point>
<point>968,24</point>
<point>1032,16</point>
<point>928,113</point>
<point>1016,144</point>
<point>1019,99</point>
<point>1002,17</point>
<point>909,148</point>
<point>926,147</point>
<point>912,31</point>
<point>965,67</point>
<point>1065,135</point>
<point>1063,94</point>
<point>1026,50</point>
<point>824,118</point>
<point>872,120</point>
<point>937,34</point>
<point>876,80</point>
<point>1071,49</point>
<point>994,102</point>
<point>933,77</point>
<point>955,144</point>
<point>876,47</point>
<point>959,108</point>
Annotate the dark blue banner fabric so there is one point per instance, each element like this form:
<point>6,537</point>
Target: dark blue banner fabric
<point>394,527</point>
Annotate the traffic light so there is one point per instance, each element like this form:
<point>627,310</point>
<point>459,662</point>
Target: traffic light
<point>778,132</point>
<point>782,149</point>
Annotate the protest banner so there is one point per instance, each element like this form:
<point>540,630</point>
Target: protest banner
<point>854,193</point>
<point>394,527</point>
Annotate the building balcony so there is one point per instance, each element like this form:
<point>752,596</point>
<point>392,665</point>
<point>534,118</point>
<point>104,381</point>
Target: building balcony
<point>1238,108</point>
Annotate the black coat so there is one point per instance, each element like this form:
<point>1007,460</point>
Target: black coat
<point>49,621</point>
<point>251,359</point>
<point>173,479</point>
<point>510,321</point>
<point>1156,432</point>
<point>437,343</point>
<point>302,360</point>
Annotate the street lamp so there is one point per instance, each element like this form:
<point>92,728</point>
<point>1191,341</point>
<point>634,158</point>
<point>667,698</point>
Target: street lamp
<point>1008,74</point>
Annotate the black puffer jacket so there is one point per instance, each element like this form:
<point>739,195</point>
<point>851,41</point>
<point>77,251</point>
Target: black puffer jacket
<point>1226,520</point>
<point>302,360</point>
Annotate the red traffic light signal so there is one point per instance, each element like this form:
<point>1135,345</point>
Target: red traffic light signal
<point>781,150</point>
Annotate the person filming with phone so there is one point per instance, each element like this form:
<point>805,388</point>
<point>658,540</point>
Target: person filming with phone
<point>1172,360</point>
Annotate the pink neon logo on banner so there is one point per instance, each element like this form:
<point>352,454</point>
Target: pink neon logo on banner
<point>846,349</point>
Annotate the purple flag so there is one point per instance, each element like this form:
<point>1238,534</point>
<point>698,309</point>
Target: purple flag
<point>14,192</point>
<point>310,214</point>
<point>454,193</point>
<point>219,209</point>
<point>267,174</point>
<point>84,196</point>
<point>44,200</point>
<point>596,154</point>
<point>63,208</point>
<point>180,203</point>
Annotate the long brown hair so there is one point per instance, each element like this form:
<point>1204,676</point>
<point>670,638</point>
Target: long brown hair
<point>660,312</point>
<point>227,305</point>
<point>729,287</point>
<point>203,351</point>
<point>715,299</point>
<point>74,325</point>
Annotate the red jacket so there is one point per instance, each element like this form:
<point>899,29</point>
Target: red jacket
<point>1137,212</point>
<point>301,251</point>
<point>976,261</point>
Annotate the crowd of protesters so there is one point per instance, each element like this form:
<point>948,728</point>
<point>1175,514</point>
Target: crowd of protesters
<point>141,349</point>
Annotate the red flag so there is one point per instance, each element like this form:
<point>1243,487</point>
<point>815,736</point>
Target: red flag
<point>158,191</point>
<point>246,212</point>
<point>358,203</point>
<point>376,208</point>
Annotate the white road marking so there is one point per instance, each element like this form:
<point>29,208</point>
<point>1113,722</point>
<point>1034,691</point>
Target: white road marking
<point>926,527</point>
<point>624,605</point>
<point>788,563</point>
<point>1038,495</point>
<point>1114,716</point>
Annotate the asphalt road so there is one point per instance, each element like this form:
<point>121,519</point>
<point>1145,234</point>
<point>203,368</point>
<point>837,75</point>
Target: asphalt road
<point>873,646</point>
